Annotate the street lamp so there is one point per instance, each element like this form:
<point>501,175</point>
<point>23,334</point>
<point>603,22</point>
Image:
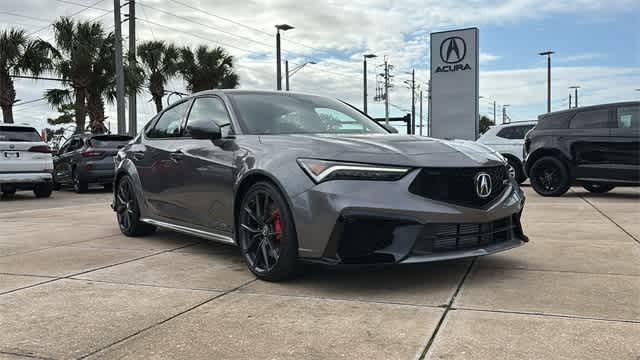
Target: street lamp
<point>294,70</point>
<point>548,55</point>
<point>283,27</point>
<point>575,97</point>
<point>364,90</point>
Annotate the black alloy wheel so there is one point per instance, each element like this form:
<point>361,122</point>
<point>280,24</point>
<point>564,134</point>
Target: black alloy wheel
<point>79,186</point>
<point>598,188</point>
<point>266,233</point>
<point>128,212</point>
<point>550,177</point>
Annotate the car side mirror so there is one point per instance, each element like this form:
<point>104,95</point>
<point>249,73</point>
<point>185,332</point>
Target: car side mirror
<point>204,129</point>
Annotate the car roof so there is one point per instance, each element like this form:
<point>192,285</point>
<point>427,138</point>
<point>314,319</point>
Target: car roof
<point>249,91</point>
<point>516,123</point>
<point>590,107</point>
<point>17,125</point>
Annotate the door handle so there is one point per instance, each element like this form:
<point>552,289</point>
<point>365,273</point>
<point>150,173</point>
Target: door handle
<point>138,155</point>
<point>176,155</point>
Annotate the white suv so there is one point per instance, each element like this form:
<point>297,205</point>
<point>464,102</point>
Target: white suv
<point>508,140</point>
<point>25,161</point>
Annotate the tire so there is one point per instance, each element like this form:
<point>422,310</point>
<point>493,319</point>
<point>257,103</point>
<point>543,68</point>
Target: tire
<point>518,171</point>
<point>8,191</point>
<point>598,188</point>
<point>79,186</point>
<point>550,176</point>
<point>128,211</point>
<point>43,190</point>
<point>266,233</point>
<point>56,186</point>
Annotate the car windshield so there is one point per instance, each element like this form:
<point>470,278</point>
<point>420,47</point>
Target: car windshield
<point>109,141</point>
<point>262,114</point>
<point>19,133</point>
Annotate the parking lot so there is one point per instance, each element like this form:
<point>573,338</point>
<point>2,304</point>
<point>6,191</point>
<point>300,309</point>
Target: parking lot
<point>71,286</point>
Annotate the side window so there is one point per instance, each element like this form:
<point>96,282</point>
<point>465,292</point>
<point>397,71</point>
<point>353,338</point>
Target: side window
<point>506,132</point>
<point>593,119</point>
<point>628,117</point>
<point>169,124</point>
<point>209,109</point>
<point>74,145</point>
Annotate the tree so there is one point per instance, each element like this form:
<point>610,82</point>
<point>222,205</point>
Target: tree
<point>20,56</point>
<point>485,123</point>
<point>82,46</point>
<point>207,69</point>
<point>159,61</point>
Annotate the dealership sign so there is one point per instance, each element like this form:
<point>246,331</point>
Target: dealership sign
<point>454,84</point>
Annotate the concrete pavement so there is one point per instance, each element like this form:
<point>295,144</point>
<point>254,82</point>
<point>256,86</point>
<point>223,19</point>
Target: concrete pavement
<point>71,286</point>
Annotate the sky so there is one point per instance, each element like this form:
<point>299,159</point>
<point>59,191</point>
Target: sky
<point>597,45</point>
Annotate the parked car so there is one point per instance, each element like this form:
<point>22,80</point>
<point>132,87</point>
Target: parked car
<point>508,140</point>
<point>85,159</point>
<point>597,147</point>
<point>291,177</point>
<point>25,161</point>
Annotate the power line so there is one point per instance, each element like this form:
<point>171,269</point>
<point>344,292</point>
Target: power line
<point>85,7</point>
<point>29,102</point>
<point>24,16</point>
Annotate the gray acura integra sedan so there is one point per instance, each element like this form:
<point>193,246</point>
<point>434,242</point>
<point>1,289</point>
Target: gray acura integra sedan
<point>292,177</point>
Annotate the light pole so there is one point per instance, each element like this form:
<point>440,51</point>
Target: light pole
<point>504,113</point>
<point>283,27</point>
<point>575,97</point>
<point>294,70</point>
<point>548,55</point>
<point>364,73</point>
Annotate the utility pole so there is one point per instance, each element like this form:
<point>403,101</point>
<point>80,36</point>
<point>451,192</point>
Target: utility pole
<point>420,112</point>
<point>286,71</point>
<point>386,93</point>
<point>575,98</point>
<point>413,102</point>
<point>133,116</point>
<point>504,113</point>
<point>429,108</point>
<point>494,112</point>
<point>122,126</point>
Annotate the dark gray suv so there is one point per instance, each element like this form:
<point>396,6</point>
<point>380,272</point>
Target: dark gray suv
<point>293,177</point>
<point>85,159</point>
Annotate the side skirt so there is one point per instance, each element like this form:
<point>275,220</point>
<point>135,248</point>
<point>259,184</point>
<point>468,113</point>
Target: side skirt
<point>190,231</point>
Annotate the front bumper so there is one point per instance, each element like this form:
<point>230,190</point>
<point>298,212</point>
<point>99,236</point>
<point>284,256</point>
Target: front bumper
<point>365,222</point>
<point>25,178</point>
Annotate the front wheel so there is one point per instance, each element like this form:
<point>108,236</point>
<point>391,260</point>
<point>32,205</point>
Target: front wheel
<point>128,211</point>
<point>597,188</point>
<point>266,233</point>
<point>79,186</point>
<point>550,177</point>
<point>43,190</point>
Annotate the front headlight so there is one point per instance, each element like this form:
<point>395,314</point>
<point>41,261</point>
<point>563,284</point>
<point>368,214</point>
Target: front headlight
<point>325,170</point>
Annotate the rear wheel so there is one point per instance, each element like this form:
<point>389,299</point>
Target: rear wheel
<point>8,191</point>
<point>43,190</point>
<point>128,211</point>
<point>79,186</point>
<point>266,233</point>
<point>550,177</point>
<point>598,188</point>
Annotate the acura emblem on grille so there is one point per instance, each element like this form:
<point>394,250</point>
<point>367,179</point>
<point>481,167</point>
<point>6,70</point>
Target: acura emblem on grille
<point>483,185</point>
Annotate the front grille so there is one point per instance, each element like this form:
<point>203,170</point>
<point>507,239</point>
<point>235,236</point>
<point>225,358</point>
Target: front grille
<point>458,185</point>
<point>464,236</point>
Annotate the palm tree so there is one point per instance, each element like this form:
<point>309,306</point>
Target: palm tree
<point>82,45</point>
<point>207,69</point>
<point>19,56</point>
<point>159,61</point>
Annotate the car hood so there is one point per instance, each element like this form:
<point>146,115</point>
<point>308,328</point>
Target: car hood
<point>404,150</point>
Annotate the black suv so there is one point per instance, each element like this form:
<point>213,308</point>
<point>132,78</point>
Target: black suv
<point>597,147</point>
<point>85,159</point>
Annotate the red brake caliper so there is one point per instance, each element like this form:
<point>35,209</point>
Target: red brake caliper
<point>277,224</point>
